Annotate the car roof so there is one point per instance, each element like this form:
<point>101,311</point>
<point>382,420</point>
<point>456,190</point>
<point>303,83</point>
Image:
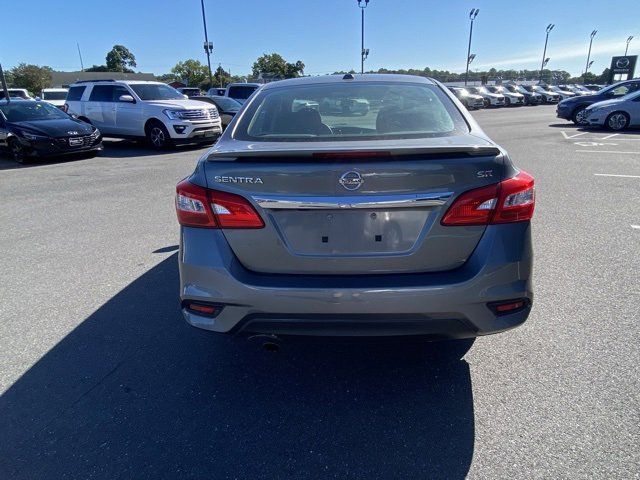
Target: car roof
<point>368,78</point>
<point>3,101</point>
<point>55,89</point>
<point>114,82</point>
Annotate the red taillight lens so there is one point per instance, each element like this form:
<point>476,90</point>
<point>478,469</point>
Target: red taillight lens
<point>512,200</point>
<point>474,207</point>
<point>517,199</point>
<point>200,207</point>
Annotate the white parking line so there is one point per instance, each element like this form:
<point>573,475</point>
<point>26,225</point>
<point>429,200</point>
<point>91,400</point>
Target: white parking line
<point>615,175</point>
<point>637,227</point>
<point>607,151</point>
<point>624,138</point>
<point>567,137</point>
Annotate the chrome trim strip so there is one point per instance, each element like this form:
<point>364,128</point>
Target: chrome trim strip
<point>275,202</point>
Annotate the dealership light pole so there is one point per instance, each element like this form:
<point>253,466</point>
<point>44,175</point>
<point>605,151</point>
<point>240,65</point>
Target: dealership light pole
<point>3,81</point>
<point>364,52</point>
<point>627,47</point>
<point>586,69</point>
<point>208,46</point>
<point>80,55</point>
<point>544,53</point>
<point>472,16</point>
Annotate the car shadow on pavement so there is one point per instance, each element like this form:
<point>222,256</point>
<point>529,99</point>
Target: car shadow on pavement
<point>133,392</point>
<point>116,148</point>
<point>7,163</point>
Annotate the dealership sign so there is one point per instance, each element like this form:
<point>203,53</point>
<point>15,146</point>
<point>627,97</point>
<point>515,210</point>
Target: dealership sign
<point>623,66</point>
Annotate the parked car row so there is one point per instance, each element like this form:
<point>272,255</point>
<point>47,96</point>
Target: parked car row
<point>508,95</point>
<point>614,106</point>
<point>121,109</point>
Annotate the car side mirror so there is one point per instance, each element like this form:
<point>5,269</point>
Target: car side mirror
<point>126,99</point>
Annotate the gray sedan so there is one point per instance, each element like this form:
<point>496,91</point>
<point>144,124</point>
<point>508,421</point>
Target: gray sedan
<point>406,221</point>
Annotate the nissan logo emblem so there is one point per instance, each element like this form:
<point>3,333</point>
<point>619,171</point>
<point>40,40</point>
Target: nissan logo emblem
<point>351,180</point>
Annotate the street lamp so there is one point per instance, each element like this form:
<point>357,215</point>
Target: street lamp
<point>472,16</point>
<point>208,46</point>
<point>544,53</point>
<point>628,42</point>
<point>586,70</point>
<point>364,53</point>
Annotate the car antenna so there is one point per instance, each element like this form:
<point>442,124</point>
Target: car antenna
<point>4,85</point>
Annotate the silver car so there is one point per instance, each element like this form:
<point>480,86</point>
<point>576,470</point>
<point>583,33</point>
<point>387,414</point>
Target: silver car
<point>616,114</point>
<point>407,221</point>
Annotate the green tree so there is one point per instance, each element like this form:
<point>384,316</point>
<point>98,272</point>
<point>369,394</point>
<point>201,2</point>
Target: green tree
<point>274,65</point>
<point>97,68</point>
<point>120,59</point>
<point>191,72</point>
<point>167,77</point>
<point>32,77</point>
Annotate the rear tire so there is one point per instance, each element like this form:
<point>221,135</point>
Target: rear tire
<point>158,136</point>
<point>617,121</point>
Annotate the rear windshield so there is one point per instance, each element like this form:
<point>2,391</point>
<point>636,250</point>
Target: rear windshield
<point>242,92</point>
<point>350,111</point>
<point>54,95</point>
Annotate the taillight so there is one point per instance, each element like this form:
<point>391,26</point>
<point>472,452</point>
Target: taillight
<point>201,207</point>
<point>512,200</point>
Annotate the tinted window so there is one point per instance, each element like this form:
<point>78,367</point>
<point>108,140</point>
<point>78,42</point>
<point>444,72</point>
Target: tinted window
<point>242,92</point>
<point>226,104</point>
<point>351,111</point>
<point>156,91</point>
<point>118,91</point>
<point>54,95</point>
<point>102,93</point>
<point>75,93</point>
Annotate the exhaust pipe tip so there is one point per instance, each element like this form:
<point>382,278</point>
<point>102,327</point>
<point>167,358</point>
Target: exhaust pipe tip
<point>269,343</point>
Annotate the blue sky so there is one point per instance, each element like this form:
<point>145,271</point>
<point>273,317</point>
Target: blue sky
<point>324,34</point>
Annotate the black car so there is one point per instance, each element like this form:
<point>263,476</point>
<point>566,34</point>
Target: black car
<point>574,108</point>
<point>227,107</point>
<point>31,128</point>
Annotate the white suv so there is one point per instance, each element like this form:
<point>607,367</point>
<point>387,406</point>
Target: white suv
<point>140,109</point>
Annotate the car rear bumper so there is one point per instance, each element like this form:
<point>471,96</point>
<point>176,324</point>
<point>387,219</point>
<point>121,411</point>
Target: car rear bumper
<point>445,305</point>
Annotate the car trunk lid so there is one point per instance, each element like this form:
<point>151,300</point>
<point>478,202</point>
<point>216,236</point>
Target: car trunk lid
<point>376,209</point>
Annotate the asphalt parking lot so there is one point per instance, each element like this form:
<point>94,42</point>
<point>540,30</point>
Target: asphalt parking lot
<point>101,378</point>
